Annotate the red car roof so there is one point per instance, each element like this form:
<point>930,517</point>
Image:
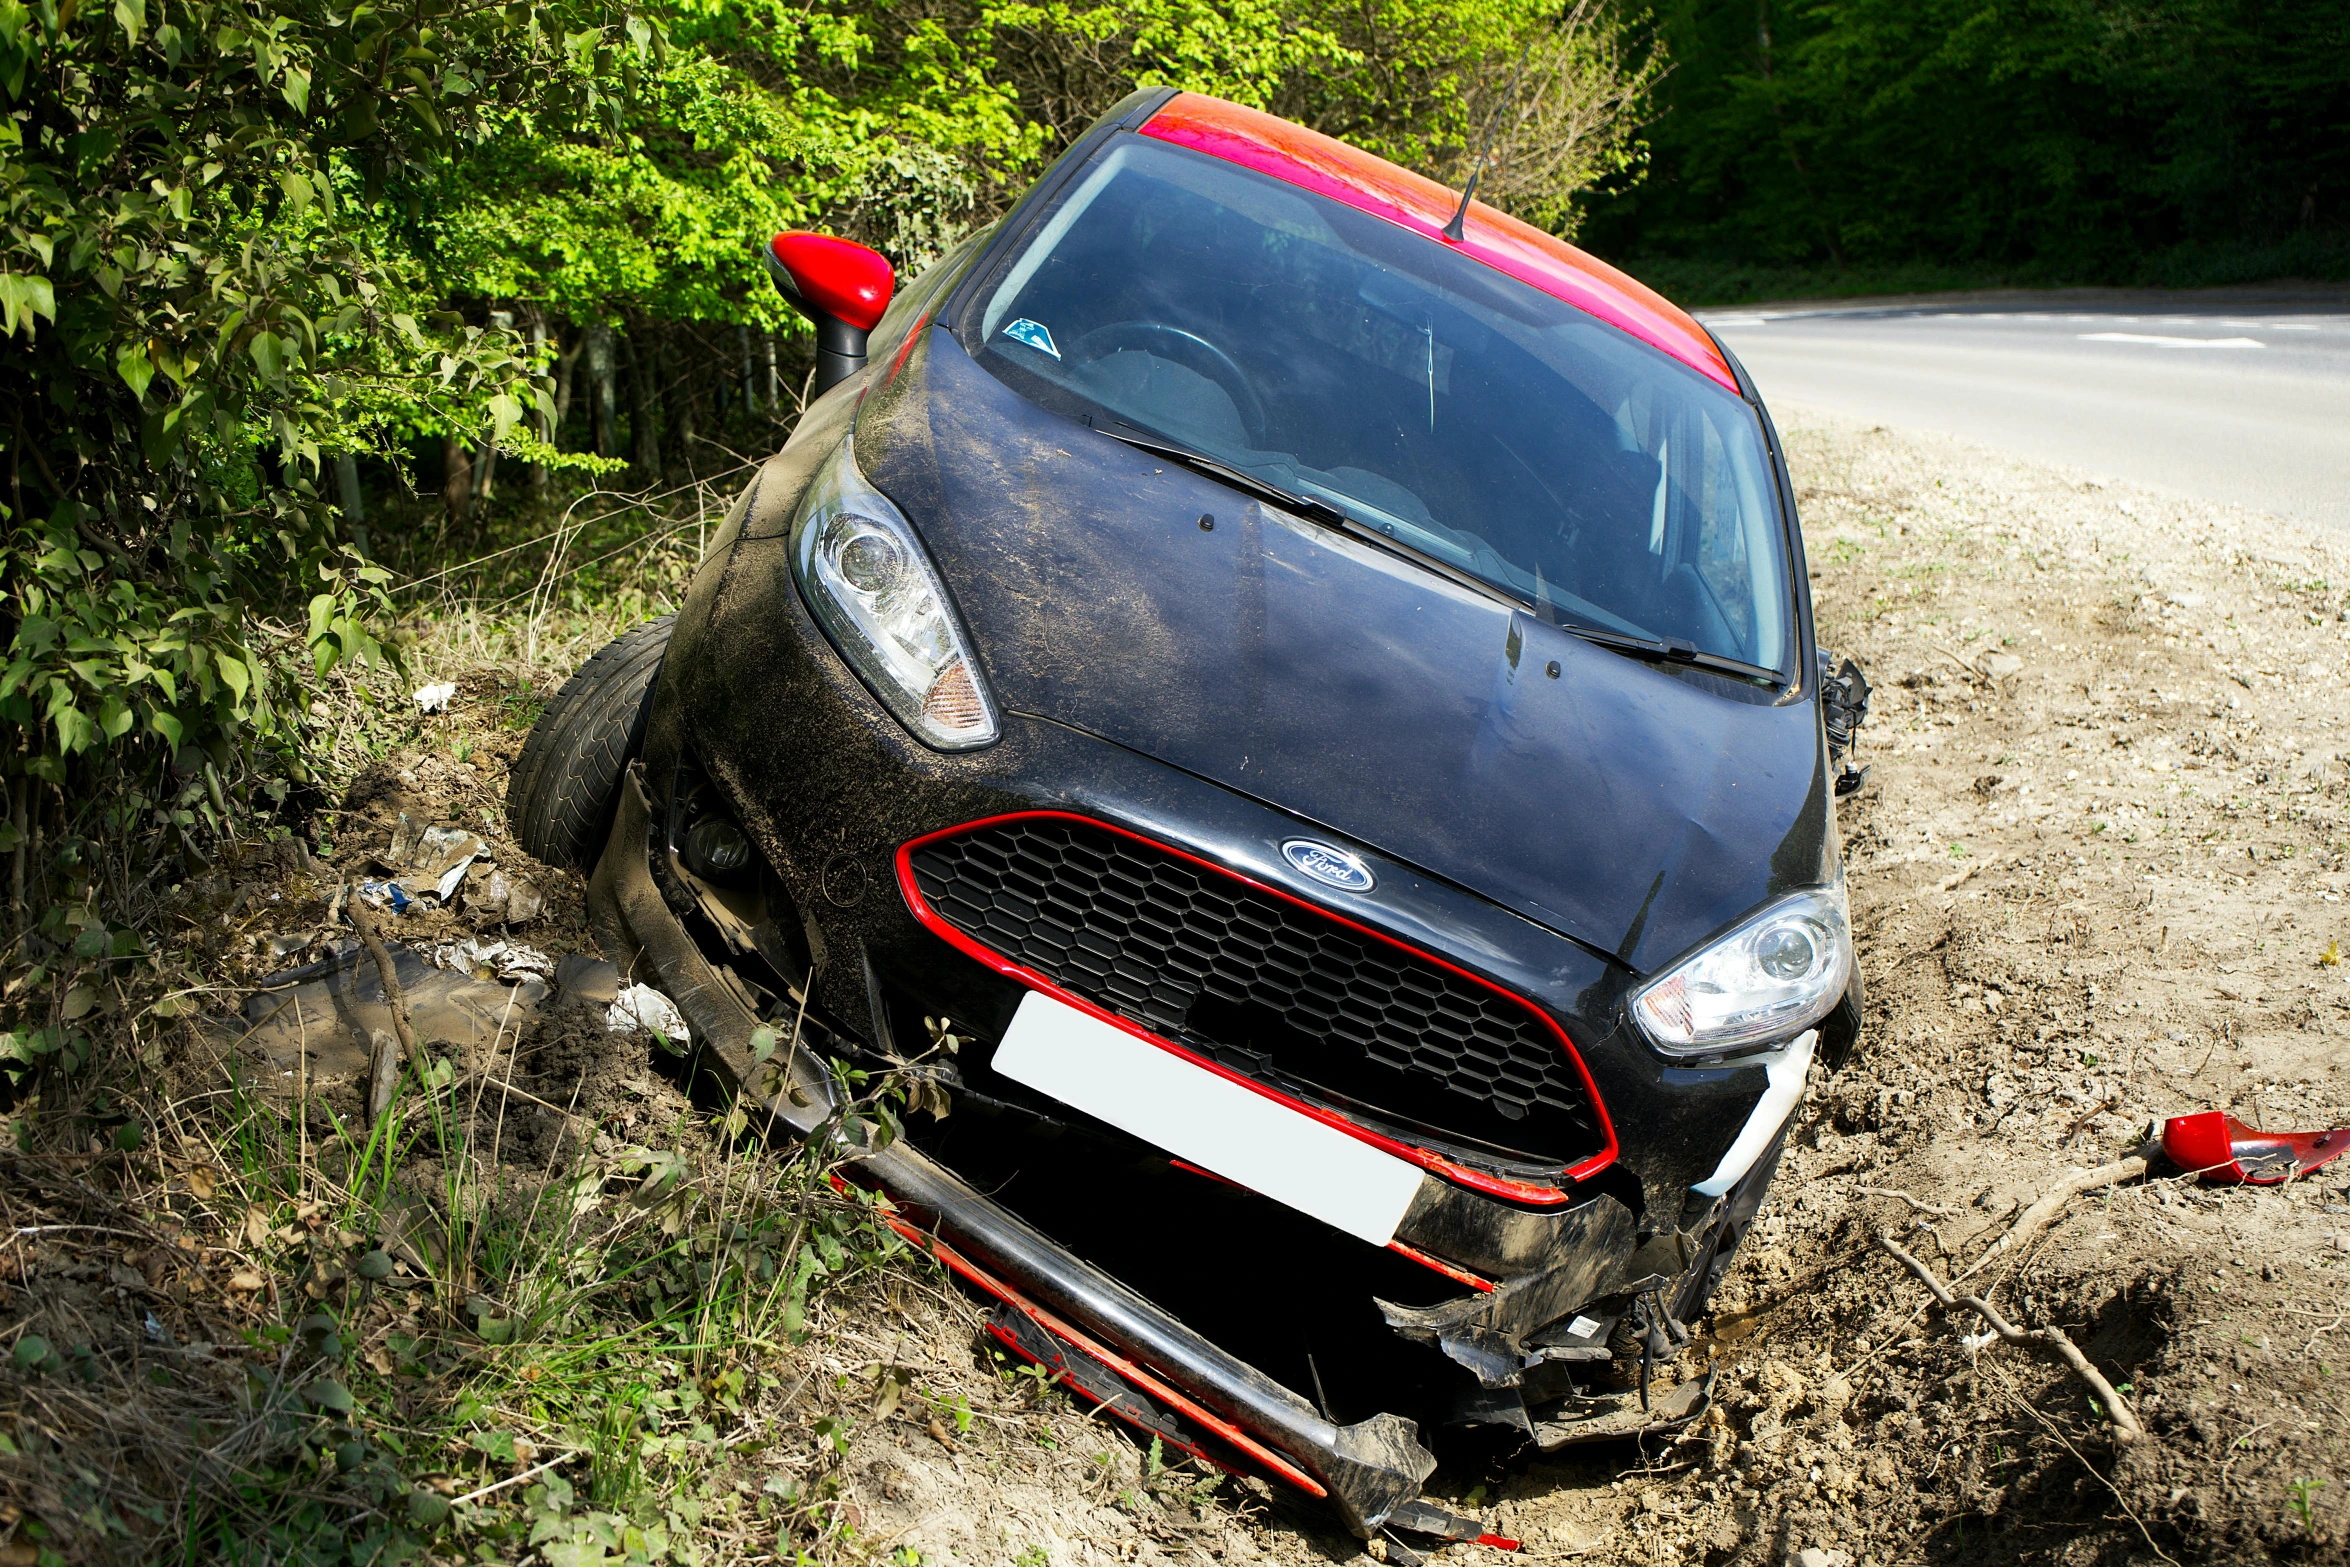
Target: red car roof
<point>1329,167</point>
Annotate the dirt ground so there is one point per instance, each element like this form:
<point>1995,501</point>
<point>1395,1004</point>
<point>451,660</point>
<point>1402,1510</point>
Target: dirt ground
<point>2097,880</point>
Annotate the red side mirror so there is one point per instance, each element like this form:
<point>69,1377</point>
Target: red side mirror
<point>842,287</point>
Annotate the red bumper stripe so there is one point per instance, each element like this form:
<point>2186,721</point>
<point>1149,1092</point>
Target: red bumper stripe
<point>1142,1379</point>
<point>1527,1192</point>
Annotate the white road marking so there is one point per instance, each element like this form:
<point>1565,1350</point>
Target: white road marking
<point>2171,342</point>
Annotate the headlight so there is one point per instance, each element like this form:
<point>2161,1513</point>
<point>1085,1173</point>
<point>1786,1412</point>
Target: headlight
<point>1777,974</point>
<point>869,584</point>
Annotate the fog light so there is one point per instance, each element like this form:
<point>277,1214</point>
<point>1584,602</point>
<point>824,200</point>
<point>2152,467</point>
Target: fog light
<point>715,849</point>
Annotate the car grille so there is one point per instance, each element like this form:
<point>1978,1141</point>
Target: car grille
<point>1265,987</point>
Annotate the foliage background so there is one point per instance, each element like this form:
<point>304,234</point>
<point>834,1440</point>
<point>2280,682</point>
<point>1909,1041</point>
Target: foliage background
<point>1923,143</point>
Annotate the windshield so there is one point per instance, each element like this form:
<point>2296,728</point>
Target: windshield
<point>1431,399</point>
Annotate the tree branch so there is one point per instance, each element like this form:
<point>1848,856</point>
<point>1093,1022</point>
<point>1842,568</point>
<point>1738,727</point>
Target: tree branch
<point>2125,1424</point>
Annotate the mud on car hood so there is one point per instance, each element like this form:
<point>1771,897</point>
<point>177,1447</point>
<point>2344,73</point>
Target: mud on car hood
<point>1633,809</point>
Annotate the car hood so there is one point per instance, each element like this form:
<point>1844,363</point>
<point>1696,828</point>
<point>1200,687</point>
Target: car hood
<point>1634,810</point>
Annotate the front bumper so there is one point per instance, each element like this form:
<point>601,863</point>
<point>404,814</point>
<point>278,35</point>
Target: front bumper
<point>1366,1470</point>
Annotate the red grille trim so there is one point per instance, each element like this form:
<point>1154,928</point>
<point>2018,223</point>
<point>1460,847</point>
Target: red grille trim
<point>1426,1158</point>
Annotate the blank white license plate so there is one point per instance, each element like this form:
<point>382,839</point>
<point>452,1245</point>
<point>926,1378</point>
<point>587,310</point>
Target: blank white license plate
<point>1206,1119</point>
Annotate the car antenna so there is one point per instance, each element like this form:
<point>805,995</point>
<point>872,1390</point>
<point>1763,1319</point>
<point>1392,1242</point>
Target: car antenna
<point>1455,229</point>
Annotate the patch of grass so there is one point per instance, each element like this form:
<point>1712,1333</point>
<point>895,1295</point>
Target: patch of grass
<point>368,1345</point>
<point>241,1324</point>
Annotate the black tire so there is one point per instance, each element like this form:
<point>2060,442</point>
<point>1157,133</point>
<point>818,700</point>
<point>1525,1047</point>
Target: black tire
<point>560,799</point>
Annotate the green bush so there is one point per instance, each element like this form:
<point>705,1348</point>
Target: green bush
<point>211,284</point>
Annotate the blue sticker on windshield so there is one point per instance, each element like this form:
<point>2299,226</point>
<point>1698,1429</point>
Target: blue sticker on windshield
<point>1034,335</point>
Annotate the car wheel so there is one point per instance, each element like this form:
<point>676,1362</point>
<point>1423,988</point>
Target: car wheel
<point>560,800</point>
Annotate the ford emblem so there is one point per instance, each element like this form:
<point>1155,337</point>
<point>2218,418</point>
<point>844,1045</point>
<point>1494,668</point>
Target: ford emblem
<point>1331,866</point>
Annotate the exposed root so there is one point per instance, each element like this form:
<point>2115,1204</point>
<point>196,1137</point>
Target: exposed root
<point>2124,1422</point>
<point>1935,1208</point>
<point>2044,1212</point>
<point>363,921</point>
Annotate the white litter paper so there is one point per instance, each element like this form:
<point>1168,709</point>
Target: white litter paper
<point>481,957</point>
<point>643,1007</point>
<point>450,850</point>
<point>435,698</point>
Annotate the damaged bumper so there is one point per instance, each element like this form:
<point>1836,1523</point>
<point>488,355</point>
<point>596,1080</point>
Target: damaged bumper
<point>1367,1469</point>
<point>1550,1270</point>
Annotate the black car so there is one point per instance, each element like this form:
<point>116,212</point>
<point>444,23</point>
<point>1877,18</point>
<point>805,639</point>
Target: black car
<point>1284,703</point>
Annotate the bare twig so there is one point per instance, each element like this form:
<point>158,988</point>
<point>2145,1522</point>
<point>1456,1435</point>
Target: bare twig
<point>387,1076</point>
<point>2125,1424</point>
<point>491,1080</point>
<point>2086,1116</point>
<point>2044,1212</point>
<point>363,921</point>
<point>1922,1207</point>
<point>527,1474</point>
<point>2119,1500</point>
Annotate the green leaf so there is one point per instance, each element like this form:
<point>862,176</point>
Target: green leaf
<point>75,732</point>
<point>297,91</point>
<point>22,297</point>
<point>326,1393</point>
<point>132,365</point>
<point>92,943</point>
<point>132,14</point>
<point>114,716</point>
<point>78,1002</point>
<point>376,1264</point>
<point>234,675</point>
<point>269,354</point>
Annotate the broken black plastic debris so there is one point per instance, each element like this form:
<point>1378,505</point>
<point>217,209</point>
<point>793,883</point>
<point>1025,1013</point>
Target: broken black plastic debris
<point>1844,707</point>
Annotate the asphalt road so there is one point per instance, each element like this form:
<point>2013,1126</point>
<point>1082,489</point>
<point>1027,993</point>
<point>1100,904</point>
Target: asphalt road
<point>2242,398</point>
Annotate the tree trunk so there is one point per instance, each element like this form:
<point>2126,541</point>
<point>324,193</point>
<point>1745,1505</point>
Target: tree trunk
<point>564,365</point>
<point>750,391</point>
<point>456,479</point>
<point>680,398</point>
<point>535,474</point>
<point>607,400</point>
<point>644,430</point>
<point>354,505</point>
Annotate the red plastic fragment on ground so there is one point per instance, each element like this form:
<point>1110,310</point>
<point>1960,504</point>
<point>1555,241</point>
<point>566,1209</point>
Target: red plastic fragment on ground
<point>1498,1542</point>
<point>2220,1148</point>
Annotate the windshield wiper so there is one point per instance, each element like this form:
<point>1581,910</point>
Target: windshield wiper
<point>1240,479</point>
<point>1666,650</point>
<point>1663,650</point>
